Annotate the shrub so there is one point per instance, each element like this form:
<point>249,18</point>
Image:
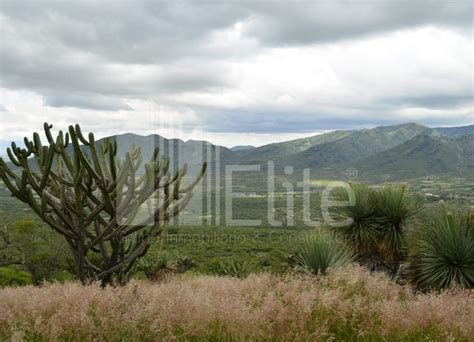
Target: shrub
<point>362,233</point>
<point>393,208</point>
<point>378,218</point>
<point>237,269</point>
<point>319,251</point>
<point>184,263</point>
<point>9,276</point>
<point>441,249</point>
<point>157,269</point>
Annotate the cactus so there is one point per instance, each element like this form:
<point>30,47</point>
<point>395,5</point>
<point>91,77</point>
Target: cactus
<point>92,198</point>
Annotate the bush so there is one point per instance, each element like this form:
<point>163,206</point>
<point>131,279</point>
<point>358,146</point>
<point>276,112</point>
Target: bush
<point>319,251</point>
<point>379,218</point>
<point>237,269</point>
<point>441,250</point>
<point>393,208</point>
<point>11,277</point>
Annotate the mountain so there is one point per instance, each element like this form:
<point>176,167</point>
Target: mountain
<point>424,155</point>
<point>456,131</point>
<point>192,152</point>
<point>388,152</point>
<point>360,144</point>
<point>280,150</point>
<point>242,148</point>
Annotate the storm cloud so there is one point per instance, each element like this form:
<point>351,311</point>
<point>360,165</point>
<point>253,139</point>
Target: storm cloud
<point>236,67</point>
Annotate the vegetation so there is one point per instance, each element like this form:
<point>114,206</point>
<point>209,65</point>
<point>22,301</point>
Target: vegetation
<point>441,253</point>
<point>318,252</point>
<point>92,199</point>
<point>237,269</point>
<point>348,304</point>
<point>378,223</point>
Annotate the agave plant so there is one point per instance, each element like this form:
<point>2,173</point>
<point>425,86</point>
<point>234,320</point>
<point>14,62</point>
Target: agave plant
<point>320,251</point>
<point>393,208</point>
<point>237,269</point>
<point>441,249</point>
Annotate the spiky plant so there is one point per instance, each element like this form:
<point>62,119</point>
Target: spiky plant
<point>237,269</point>
<point>441,249</point>
<point>157,269</point>
<point>362,231</point>
<point>319,251</point>
<point>184,263</point>
<point>92,198</point>
<point>393,208</point>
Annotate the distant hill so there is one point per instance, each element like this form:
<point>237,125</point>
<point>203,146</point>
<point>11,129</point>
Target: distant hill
<point>358,145</point>
<point>424,155</point>
<point>456,131</point>
<point>242,148</point>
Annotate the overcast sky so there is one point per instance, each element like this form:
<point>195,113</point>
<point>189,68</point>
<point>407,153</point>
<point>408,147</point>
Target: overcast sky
<point>234,72</point>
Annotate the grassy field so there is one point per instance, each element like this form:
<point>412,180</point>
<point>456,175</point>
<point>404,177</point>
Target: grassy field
<point>350,304</point>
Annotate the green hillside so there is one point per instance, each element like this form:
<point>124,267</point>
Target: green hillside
<point>422,156</point>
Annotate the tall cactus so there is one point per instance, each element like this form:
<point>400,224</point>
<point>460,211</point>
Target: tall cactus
<point>92,198</point>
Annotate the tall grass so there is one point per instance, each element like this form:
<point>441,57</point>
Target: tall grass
<point>346,304</point>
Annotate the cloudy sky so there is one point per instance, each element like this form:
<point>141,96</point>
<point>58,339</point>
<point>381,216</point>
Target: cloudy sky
<point>234,72</point>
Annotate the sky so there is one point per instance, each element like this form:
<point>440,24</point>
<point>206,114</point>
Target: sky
<point>234,72</point>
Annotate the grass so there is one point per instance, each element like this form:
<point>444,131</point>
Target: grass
<point>347,304</point>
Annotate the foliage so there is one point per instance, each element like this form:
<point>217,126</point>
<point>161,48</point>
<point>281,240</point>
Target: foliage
<point>378,225</point>
<point>157,269</point>
<point>319,252</point>
<point>184,263</point>
<point>90,197</point>
<point>394,207</point>
<point>36,250</point>
<point>441,253</point>
<point>9,276</point>
<point>237,269</point>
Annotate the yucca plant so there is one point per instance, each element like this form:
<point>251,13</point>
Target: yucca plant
<point>157,269</point>
<point>441,249</point>
<point>184,263</point>
<point>393,208</point>
<point>362,232</point>
<point>237,269</point>
<point>320,251</point>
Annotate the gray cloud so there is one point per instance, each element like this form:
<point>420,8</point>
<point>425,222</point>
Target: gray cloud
<point>88,101</point>
<point>99,54</point>
<point>299,23</point>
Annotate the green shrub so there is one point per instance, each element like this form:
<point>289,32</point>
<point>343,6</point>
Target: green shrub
<point>362,233</point>
<point>378,219</point>
<point>393,208</point>
<point>184,263</point>
<point>319,251</point>
<point>237,269</point>
<point>157,269</point>
<point>441,249</point>
<point>9,276</point>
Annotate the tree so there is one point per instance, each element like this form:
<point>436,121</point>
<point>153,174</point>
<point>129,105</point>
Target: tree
<point>92,198</point>
<point>33,249</point>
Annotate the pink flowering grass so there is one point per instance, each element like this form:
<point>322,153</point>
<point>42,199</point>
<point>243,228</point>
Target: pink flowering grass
<point>347,304</point>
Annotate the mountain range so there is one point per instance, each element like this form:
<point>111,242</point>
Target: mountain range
<point>399,152</point>
<point>386,153</point>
